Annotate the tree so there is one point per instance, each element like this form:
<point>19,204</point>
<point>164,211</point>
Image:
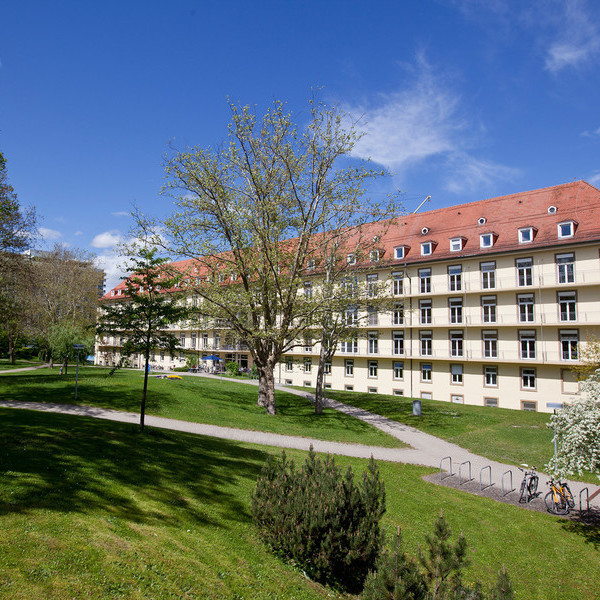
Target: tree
<point>64,336</point>
<point>576,428</point>
<point>149,306</point>
<point>248,213</point>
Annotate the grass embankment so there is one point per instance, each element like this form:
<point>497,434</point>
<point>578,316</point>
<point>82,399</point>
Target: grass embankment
<point>96,509</point>
<point>197,399</point>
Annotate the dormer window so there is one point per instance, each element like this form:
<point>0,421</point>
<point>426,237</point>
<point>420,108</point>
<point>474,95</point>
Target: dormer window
<point>525,235</point>
<point>481,221</point>
<point>112,292</point>
<point>426,248</point>
<point>351,259</point>
<point>374,255</point>
<point>118,292</point>
<point>566,229</point>
<point>486,240</point>
<point>456,244</point>
<point>399,252</point>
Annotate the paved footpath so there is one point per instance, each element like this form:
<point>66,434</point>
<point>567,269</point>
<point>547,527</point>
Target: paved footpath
<point>424,449</point>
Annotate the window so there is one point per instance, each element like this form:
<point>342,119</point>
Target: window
<point>307,384</point>
<point>372,315</point>
<point>525,235</point>
<point>569,340</point>
<point>398,314</point>
<point>426,343</point>
<point>193,341</point>
<point>205,340</point>
<point>374,255</point>
<point>490,376</point>
<point>456,343</point>
<point>527,344</point>
<point>398,393</point>
<point>350,285</point>
<point>528,379</point>
<point>182,340</point>
<point>398,370</point>
<point>217,340</point>
<point>373,368</point>
<point>488,275</point>
<point>307,365</point>
<point>486,240</point>
<point>397,283</point>
<point>372,390</point>
<point>456,374</point>
<point>426,372</point>
<point>350,345</point>
<point>566,229</point>
<point>567,303</point>
<point>162,355</point>
<point>425,281</point>
<point>307,345</point>
<point>288,382</point>
<point>490,344</point>
<point>456,244</point>
<point>426,396</point>
<point>327,367</point>
<point>398,342</point>
<point>349,365</point>
<point>524,271</point>
<point>491,402</point>
<point>488,308</point>
<point>351,259</point>
<point>525,303</point>
<point>372,285</point>
<point>351,316</point>
<point>565,268</point>
<point>373,342</point>
<point>308,291</point>
<point>456,310</point>
<point>528,405</point>
<point>426,248</point>
<point>425,311</point>
<point>311,265</point>
<point>349,388</point>
<point>289,364</point>
<point>455,278</point>
<point>457,399</point>
<point>399,252</point>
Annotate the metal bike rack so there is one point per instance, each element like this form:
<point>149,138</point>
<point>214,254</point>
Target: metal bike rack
<point>441,463</point>
<point>460,481</point>
<point>490,484</point>
<point>587,493</point>
<point>512,489</point>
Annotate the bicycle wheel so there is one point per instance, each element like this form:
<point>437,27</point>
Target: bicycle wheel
<point>532,487</point>
<point>523,491</point>
<point>568,496</point>
<point>555,503</point>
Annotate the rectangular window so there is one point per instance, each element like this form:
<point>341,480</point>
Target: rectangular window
<point>327,367</point>
<point>426,343</point>
<point>528,379</point>
<point>456,343</point>
<point>374,255</point>
<point>372,315</point>
<point>488,275</point>
<point>349,388</point>
<point>525,235</point>
<point>373,342</point>
<point>397,283</point>
<point>456,244</point>
<point>426,248</point>
<point>307,384</point>
<point>193,341</point>
<point>398,393</point>
<point>398,370</point>
<point>307,365</point>
<point>425,281</point>
<point>524,272</point>
<point>569,342</point>
<point>426,372</point>
<point>351,316</point>
<point>289,364</point>
<point>372,285</point>
<point>426,396</point>
<point>456,310</point>
<point>527,343</point>
<point>425,311</point>
<point>567,303</point>
<point>525,303</point>
<point>350,345</point>
<point>307,345</point>
<point>398,314</point>
<point>351,259</point>
<point>491,402</point>
<point>565,268</point>
<point>349,366</point>
<point>490,344</point>
<point>566,229</point>
<point>455,278</point>
<point>528,406</point>
<point>488,308</point>
<point>490,376</point>
<point>372,368</point>
<point>205,340</point>
<point>398,342</point>
<point>182,340</point>
<point>308,291</point>
<point>372,390</point>
<point>456,374</point>
<point>486,240</point>
<point>162,355</point>
<point>457,399</point>
<point>399,252</point>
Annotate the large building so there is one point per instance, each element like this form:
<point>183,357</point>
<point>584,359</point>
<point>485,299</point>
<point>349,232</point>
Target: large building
<point>490,303</point>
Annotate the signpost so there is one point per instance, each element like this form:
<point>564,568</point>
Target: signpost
<point>77,347</point>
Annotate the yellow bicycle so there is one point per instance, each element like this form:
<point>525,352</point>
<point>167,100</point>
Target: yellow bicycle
<point>559,500</point>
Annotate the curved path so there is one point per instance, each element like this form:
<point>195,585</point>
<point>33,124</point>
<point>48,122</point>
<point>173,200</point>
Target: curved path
<point>425,449</point>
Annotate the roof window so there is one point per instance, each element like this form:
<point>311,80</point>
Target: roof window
<point>486,240</point>
<point>552,210</point>
<point>526,235</point>
<point>426,248</point>
<point>456,244</point>
<point>425,230</point>
<point>481,221</point>
<point>399,252</point>
<point>566,229</point>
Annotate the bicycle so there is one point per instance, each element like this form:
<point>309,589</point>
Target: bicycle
<point>529,484</point>
<point>559,500</point>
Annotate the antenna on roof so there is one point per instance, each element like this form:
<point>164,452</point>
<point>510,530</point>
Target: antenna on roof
<point>428,199</point>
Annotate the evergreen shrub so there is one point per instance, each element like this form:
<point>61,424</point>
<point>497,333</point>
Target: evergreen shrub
<point>232,368</point>
<point>320,519</point>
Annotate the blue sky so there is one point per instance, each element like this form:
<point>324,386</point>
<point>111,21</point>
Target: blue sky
<point>460,100</point>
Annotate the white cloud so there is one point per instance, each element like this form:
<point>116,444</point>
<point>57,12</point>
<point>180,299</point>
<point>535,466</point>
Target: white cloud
<point>112,264</point>
<point>594,133</point>
<point>120,213</point>
<point>594,178</point>
<point>78,232</point>
<point>107,239</point>
<point>49,234</point>
<point>469,174</point>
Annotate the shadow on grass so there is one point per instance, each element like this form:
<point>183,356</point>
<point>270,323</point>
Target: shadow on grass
<point>76,464</point>
<point>587,525</point>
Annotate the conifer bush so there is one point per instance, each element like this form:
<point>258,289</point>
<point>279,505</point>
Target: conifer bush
<point>320,519</point>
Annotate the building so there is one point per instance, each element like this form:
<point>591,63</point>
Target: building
<point>491,302</point>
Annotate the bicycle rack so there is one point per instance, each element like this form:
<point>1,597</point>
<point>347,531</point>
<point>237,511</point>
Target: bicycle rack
<point>460,481</point>
<point>490,484</point>
<point>587,493</point>
<point>512,489</point>
<point>441,462</point>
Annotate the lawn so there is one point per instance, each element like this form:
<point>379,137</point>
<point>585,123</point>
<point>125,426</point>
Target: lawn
<point>96,509</point>
<point>19,364</point>
<point>197,399</point>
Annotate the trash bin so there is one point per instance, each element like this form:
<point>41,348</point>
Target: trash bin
<point>417,408</point>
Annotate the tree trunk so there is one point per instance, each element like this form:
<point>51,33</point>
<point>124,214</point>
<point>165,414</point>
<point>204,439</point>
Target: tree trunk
<point>319,384</point>
<point>143,406</point>
<point>266,389</point>
<point>65,365</point>
<point>11,350</point>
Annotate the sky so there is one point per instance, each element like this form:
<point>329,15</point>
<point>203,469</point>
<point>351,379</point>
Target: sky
<point>458,100</point>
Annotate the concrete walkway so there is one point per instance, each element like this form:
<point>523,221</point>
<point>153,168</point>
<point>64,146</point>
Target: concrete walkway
<point>424,449</point>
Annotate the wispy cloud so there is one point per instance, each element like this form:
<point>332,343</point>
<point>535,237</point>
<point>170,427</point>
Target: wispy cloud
<point>78,232</point>
<point>468,174</point>
<point>107,239</point>
<point>594,178</point>
<point>48,235</point>
<point>120,213</point>
<point>591,134</point>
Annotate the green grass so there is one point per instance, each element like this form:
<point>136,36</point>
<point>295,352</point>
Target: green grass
<point>19,364</point>
<point>94,509</point>
<point>197,399</point>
